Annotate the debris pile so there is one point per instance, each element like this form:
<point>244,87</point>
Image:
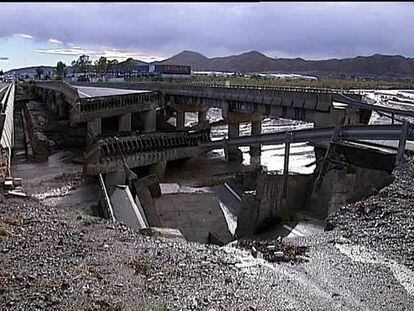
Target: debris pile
<point>13,186</point>
<point>275,251</point>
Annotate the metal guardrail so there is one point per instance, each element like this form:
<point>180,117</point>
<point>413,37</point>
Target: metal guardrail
<point>347,132</point>
<point>139,153</point>
<point>106,198</point>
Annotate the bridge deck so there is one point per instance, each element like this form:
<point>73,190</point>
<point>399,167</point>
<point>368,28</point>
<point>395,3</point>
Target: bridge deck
<point>90,92</point>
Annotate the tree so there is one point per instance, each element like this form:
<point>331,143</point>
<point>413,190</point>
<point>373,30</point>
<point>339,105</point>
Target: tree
<point>112,64</point>
<point>83,64</point>
<point>101,65</point>
<point>39,72</point>
<point>61,70</point>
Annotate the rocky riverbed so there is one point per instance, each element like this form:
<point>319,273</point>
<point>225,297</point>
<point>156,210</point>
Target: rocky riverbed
<point>61,258</point>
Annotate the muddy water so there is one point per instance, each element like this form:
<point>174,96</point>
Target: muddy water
<point>301,155</point>
<point>57,182</point>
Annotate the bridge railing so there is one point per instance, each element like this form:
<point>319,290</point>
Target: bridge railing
<point>170,85</point>
<point>7,131</point>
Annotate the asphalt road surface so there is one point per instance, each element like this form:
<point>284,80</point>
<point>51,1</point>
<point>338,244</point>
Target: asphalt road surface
<point>87,91</point>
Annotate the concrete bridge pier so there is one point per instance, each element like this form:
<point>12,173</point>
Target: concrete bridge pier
<point>150,121</point>
<point>233,153</point>
<point>202,116</point>
<point>60,104</point>
<point>94,128</point>
<point>158,169</point>
<point>256,151</point>
<point>50,101</point>
<point>124,122</point>
<point>180,125</point>
<point>43,95</point>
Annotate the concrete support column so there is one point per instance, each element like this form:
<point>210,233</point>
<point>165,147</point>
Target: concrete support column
<point>180,120</point>
<point>94,128</point>
<point>202,116</point>
<point>150,121</point>
<point>158,169</point>
<point>233,153</point>
<point>256,151</point>
<point>60,107</point>
<point>124,123</point>
<point>115,178</point>
<point>43,94</point>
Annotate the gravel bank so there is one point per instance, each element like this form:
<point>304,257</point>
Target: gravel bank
<point>384,222</point>
<point>60,258</point>
<point>63,259</point>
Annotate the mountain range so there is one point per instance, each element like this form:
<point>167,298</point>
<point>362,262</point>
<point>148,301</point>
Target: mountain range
<point>376,65</point>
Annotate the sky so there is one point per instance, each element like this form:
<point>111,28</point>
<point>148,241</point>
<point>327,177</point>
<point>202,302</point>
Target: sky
<point>44,33</point>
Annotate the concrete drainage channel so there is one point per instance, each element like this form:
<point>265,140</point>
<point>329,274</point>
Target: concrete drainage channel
<point>253,205</point>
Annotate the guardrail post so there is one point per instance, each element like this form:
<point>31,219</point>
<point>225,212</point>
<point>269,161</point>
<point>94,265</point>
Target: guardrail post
<point>325,163</point>
<point>402,142</point>
<point>286,165</point>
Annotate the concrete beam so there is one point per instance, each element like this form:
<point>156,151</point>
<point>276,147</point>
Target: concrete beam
<point>124,123</point>
<point>238,117</point>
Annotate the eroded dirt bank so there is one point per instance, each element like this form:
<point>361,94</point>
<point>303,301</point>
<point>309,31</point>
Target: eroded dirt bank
<point>61,258</point>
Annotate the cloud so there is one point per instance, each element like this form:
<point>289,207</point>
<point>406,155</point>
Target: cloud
<point>73,52</point>
<point>54,41</point>
<point>94,54</point>
<point>23,35</point>
<point>122,55</point>
<point>294,29</point>
<point>4,58</point>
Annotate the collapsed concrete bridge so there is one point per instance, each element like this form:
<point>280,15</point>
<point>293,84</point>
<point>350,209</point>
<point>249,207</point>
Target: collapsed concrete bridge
<point>93,105</point>
<point>149,144</point>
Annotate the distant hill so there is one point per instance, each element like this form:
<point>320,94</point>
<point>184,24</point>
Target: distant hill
<point>129,63</point>
<point>31,70</point>
<point>375,65</point>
